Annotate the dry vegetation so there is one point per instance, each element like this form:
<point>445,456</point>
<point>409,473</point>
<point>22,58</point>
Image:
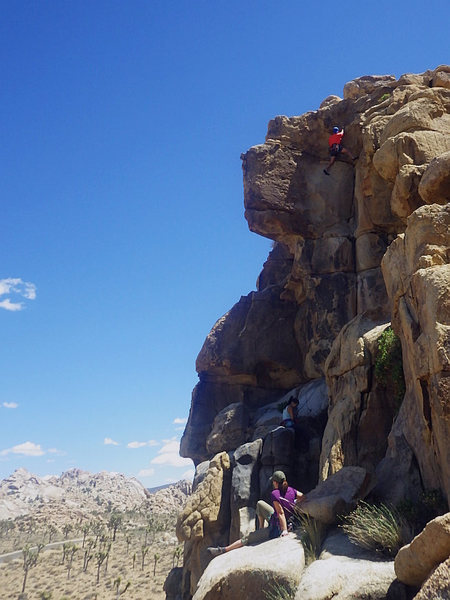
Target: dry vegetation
<point>107,554</point>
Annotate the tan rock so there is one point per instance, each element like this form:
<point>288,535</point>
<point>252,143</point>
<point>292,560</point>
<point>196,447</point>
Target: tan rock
<point>344,571</point>
<point>437,586</point>
<point>361,410</point>
<point>366,85</point>
<point>203,521</point>
<point>337,495</point>
<point>434,187</point>
<point>415,561</point>
<point>250,571</point>
<point>416,269</point>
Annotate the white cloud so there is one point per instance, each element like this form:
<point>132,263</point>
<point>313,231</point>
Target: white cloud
<point>169,455</point>
<point>110,442</point>
<point>142,444</point>
<point>17,287</point>
<point>27,449</point>
<point>146,472</point>
<point>180,421</point>
<point>10,404</point>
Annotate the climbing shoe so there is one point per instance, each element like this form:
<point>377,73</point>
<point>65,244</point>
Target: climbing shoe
<point>216,551</point>
<point>326,172</point>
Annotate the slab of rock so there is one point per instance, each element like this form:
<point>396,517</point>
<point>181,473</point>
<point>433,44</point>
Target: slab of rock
<point>249,571</point>
<point>336,495</point>
<point>434,187</point>
<point>244,488</point>
<point>437,586</point>
<point>345,571</point>
<point>415,561</point>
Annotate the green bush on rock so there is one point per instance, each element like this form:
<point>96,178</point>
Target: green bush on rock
<point>377,527</point>
<point>389,364</point>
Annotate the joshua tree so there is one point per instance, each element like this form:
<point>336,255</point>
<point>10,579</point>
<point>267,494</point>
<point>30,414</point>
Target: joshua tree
<point>128,540</point>
<point>100,558</point>
<point>72,551</point>
<point>85,529</point>
<point>156,557</point>
<point>51,531</point>
<point>30,557</point>
<point>177,555</point>
<point>117,583</point>
<point>115,521</point>
<point>144,551</point>
<point>65,550</point>
<point>88,554</point>
<point>66,530</point>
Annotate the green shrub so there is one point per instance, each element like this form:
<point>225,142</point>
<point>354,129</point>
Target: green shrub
<point>377,527</point>
<point>279,591</point>
<point>389,364</point>
<point>385,97</point>
<point>311,533</point>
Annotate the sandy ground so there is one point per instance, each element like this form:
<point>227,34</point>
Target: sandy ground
<point>50,575</point>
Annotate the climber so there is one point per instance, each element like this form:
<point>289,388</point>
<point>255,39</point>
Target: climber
<point>283,498</point>
<point>335,147</point>
<point>290,413</point>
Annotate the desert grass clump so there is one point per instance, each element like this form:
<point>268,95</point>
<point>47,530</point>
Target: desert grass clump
<point>377,527</point>
<point>312,534</point>
<point>280,591</point>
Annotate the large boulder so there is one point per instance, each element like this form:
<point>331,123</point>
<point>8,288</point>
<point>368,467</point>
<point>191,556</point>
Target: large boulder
<point>337,495</point>
<point>250,571</point>
<point>437,586</point>
<point>345,571</point>
<point>415,561</point>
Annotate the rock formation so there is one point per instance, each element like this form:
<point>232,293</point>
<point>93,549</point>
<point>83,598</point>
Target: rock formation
<point>80,493</point>
<point>355,253</point>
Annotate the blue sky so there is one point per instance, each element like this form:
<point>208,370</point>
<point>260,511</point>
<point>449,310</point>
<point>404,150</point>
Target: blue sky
<point>123,236</point>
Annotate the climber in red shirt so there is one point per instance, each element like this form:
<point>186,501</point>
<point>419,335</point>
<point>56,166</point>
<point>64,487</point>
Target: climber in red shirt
<point>335,147</point>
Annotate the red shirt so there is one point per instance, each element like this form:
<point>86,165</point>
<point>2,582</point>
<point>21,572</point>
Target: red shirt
<point>335,138</point>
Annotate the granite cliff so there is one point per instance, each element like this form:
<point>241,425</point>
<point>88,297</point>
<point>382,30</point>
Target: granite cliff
<point>355,253</point>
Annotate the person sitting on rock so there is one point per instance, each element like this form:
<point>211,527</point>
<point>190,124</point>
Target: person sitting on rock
<point>290,413</point>
<point>335,147</point>
<point>283,498</point>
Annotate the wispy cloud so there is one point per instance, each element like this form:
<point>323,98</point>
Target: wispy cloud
<point>146,472</point>
<point>109,442</point>
<point>142,444</point>
<point>169,455</point>
<point>10,404</point>
<point>17,288</point>
<point>26,449</point>
<point>180,421</point>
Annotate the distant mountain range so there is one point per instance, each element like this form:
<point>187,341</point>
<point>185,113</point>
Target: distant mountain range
<point>79,493</point>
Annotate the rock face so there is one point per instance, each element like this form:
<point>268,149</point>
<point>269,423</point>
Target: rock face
<point>355,252</point>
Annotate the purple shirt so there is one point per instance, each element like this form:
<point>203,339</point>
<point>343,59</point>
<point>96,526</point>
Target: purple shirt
<point>287,501</point>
